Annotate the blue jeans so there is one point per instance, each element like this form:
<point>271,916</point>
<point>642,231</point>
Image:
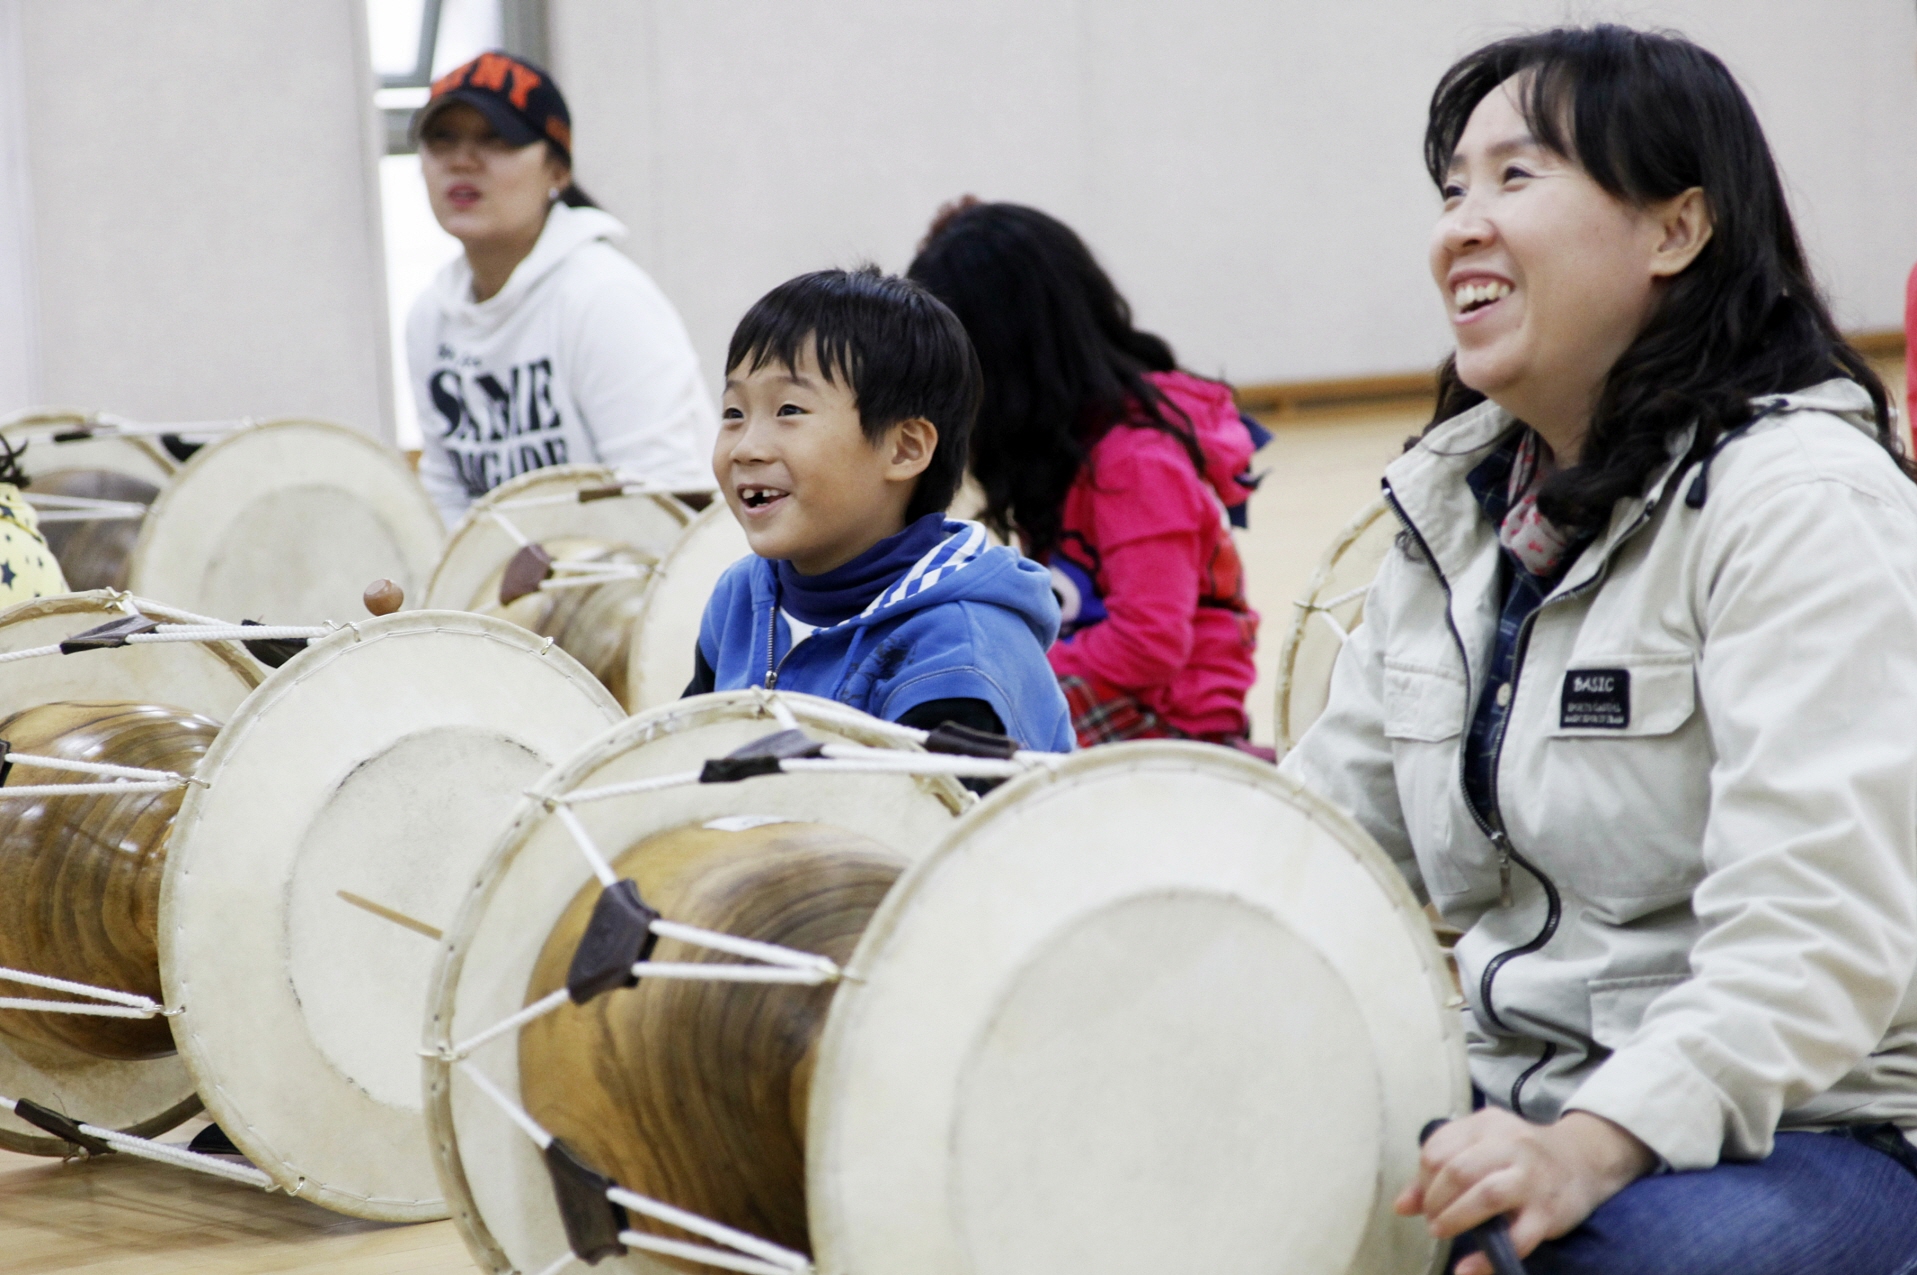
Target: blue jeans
<point>1822,1204</point>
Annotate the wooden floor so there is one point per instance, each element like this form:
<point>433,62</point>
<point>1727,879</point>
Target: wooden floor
<point>120,1216</point>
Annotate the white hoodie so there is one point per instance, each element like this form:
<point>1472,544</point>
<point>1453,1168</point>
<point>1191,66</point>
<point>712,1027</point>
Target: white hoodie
<point>579,358</point>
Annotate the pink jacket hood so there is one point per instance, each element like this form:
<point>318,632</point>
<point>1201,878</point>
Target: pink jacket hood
<point>1222,437</point>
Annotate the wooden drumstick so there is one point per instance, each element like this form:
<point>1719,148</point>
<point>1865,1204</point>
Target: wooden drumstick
<point>383,597</point>
<point>1493,1236</point>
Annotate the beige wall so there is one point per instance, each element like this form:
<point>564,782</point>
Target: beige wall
<point>199,222</point>
<point>1248,169</point>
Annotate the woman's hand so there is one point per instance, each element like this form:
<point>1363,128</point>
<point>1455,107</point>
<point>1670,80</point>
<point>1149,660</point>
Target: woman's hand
<point>1547,1177</point>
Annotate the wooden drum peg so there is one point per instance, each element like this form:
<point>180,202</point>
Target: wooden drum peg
<point>383,597</point>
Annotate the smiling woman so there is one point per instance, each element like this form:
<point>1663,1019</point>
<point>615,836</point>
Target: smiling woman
<point>541,345</point>
<point>1631,701</point>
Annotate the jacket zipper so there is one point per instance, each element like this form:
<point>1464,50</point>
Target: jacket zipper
<point>772,646</point>
<point>1491,822</point>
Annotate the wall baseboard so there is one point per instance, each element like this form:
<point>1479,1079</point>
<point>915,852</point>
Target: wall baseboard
<point>1280,401</point>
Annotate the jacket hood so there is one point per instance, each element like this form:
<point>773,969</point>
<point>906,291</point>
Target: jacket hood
<point>1222,437</point>
<point>964,567</point>
<point>567,230</point>
<point>1840,396</point>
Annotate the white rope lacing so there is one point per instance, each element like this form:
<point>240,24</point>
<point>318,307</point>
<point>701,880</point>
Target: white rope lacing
<point>49,507</point>
<point>119,1004</point>
<point>770,702</point>
<point>587,575</point>
<point>107,425</point>
<point>165,1153</point>
<point>1323,610</point>
<point>119,779</point>
<point>566,574</point>
<point>775,704</point>
<point>236,632</point>
<point>508,526</point>
<point>202,629</point>
<point>747,1253</point>
<point>622,485</point>
<point>82,790</point>
<point>776,964</point>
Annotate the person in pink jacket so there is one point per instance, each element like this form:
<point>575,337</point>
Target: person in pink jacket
<point>1116,469</point>
<point>1910,356</point>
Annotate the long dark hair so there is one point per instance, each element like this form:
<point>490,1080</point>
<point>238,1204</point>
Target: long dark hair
<point>1650,116</point>
<point>1063,363</point>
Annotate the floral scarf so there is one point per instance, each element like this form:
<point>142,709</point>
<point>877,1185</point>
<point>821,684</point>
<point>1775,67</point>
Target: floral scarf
<point>1535,541</point>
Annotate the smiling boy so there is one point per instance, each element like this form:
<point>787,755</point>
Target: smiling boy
<point>849,399</point>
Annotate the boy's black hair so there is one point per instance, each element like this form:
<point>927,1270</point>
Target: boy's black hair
<point>900,350</point>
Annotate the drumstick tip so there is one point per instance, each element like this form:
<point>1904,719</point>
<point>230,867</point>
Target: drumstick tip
<point>383,597</point>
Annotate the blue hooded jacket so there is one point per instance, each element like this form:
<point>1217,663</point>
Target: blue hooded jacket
<point>969,620</point>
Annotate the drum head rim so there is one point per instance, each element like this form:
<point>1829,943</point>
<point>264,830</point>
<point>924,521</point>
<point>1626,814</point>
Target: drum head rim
<point>650,600</point>
<point>830,1085</point>
<point>679,717</point>
<point>163,464</point>
<point>1349,535</point>
<point>282,683</point>
<point>406,489</point>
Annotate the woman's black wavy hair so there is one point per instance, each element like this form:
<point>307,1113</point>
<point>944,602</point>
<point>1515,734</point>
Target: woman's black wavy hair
<point>1063,363</point>
<point>1649,116</point>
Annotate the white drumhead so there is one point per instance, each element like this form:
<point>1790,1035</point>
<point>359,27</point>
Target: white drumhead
<point>288,523</point>
<point>495,1180</point>
<point>544,505</point>
<point>381,765</point>
<point>1333,605</point>
<point>210,678</point>
<point>133,456</point>
<point>667,629</point>
<point>1160,1010</point>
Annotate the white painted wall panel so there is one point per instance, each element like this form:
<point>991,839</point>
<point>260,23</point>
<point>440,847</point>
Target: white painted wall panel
<point>1248,169</point>
<point>204,209</point>
<point>19,324</point>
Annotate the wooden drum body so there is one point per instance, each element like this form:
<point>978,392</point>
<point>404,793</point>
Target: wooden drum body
<point>717,1127</point>
<point>1147,1008</point>
<point>86,907</point>
<point>635,631</point>
<point>82,872</point>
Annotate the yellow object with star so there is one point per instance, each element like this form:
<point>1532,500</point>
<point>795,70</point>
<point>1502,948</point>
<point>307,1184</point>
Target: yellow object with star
<point>28,568</point>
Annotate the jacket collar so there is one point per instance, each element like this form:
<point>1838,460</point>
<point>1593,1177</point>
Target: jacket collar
<point>1429,485</point>
<point>964,544</point>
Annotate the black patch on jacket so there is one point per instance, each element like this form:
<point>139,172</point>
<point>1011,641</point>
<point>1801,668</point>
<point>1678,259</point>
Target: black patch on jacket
<point>1596,698</point>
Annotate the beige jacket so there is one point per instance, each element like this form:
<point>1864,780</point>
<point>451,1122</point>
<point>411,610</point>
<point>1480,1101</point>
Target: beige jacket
<point>1708,784</point>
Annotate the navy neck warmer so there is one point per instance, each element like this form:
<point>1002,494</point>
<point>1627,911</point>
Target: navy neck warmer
<point>834,596</point>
